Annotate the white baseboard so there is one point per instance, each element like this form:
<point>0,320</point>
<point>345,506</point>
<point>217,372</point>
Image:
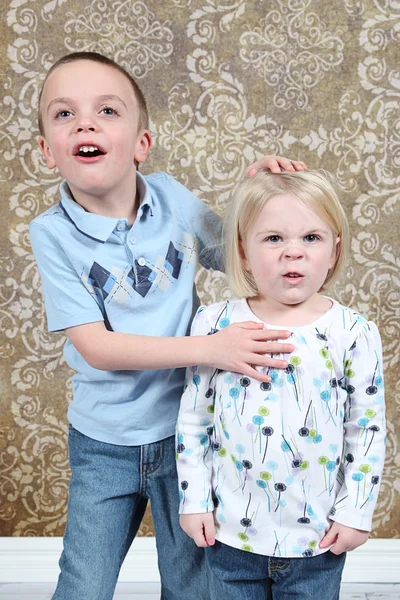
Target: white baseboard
<point>29,559</point>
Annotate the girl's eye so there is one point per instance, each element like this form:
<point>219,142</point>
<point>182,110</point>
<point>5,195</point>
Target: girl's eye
<point>311,237</point>
<point>274,239</point>
<point>62,114</point>
<point>107,110</point>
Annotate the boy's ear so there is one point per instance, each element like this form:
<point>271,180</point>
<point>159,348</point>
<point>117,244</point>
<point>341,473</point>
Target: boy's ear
<point>48,156</point>
<point>143,147</point>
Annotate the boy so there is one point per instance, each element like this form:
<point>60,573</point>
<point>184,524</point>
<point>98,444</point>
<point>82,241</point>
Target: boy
<point>117,257</point>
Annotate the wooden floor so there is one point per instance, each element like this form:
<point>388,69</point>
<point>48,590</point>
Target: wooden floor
<point>150,591</point>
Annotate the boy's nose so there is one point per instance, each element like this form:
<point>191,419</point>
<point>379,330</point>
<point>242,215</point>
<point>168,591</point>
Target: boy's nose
<point>85,127</point>
<point>85,122</point>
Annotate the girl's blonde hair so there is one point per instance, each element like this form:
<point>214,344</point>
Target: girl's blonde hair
<point>313,188</point>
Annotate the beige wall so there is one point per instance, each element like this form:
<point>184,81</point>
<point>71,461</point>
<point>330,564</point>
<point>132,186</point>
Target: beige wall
<point>226,82</point>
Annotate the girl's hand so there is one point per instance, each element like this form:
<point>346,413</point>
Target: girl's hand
<point>344,539</point>
<point>200,527</point>
<point>241,347</point>
<point>275,164</point>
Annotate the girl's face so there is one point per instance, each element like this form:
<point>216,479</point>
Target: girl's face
<point>289,250</point>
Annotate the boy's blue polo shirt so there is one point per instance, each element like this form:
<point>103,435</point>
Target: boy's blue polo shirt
<point>138,280</point>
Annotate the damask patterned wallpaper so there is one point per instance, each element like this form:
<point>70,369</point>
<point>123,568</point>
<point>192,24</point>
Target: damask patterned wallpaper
<point>226,81</point>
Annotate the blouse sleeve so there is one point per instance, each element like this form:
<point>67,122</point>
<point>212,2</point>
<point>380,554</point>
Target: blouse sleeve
<point>364,430</point>
<point>195,432</point>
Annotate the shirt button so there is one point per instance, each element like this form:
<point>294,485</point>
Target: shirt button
<point>121,226</point>
<point>132,241</point>
<point>142,261</point>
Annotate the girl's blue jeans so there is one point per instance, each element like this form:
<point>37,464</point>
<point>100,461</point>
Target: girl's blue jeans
<point>238,575</point>
<point>109,490</point>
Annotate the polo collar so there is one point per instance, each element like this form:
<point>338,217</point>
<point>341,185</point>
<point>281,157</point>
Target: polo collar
<point>99,227</point>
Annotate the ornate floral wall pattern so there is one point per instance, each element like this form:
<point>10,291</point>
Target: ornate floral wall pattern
<point>226,82</point>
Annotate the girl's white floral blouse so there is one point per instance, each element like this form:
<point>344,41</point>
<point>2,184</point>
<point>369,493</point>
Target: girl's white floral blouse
<point>276,462</point>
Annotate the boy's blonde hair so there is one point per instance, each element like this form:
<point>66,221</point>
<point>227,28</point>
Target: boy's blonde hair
<point>104,60</point>
<point>313,188</point>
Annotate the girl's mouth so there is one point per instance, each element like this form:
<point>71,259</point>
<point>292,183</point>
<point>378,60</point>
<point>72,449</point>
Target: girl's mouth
<point>293,277</point>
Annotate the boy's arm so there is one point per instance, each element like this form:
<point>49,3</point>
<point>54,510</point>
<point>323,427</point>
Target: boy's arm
<point>71,307</point>
<point>207,225</point>
<point>236,348</point>
<point>364,431</point>
<point>67,300</point>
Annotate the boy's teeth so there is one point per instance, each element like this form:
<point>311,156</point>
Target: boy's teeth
<point>88,148</point>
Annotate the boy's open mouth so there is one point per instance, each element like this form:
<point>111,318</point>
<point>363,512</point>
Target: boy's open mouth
<point>88,151</point>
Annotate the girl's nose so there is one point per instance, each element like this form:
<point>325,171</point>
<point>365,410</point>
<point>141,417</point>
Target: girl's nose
<point>294,252</point>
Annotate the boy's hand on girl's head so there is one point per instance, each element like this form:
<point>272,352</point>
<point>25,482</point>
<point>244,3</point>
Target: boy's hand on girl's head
<point>344,539</point>
<point>275,164</point>
<point>241,347</point>
<point>200,527</point>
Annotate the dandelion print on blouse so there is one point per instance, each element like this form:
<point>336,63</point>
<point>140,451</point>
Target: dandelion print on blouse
<point>277,462</point>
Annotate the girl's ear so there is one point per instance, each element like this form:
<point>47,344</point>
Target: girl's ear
<point>335,251</point>
<point>243,255</point>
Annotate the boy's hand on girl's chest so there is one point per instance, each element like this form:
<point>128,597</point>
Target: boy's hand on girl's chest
<point>241,347</point>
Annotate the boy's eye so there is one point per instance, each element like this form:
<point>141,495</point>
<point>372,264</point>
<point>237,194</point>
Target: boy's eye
<point>311,237</point>
<point>274,239</point>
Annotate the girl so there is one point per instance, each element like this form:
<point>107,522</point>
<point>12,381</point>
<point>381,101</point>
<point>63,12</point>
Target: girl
<point>285,474</point>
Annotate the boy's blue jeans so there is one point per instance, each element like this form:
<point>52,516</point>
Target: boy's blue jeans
<point>238,575</point>
<point>109,490</point>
